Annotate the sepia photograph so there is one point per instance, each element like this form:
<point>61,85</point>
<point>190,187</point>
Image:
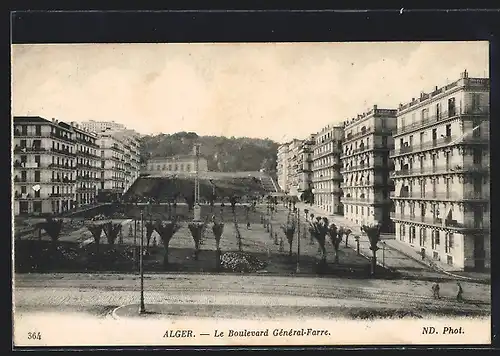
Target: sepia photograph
<point>238,194</point>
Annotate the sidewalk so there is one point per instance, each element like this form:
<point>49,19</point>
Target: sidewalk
<point>398,256</point>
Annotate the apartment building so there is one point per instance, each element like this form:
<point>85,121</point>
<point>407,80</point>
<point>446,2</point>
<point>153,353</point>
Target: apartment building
<point>180,164</point>
<point>282,166</point>
<point>304,170</point>
<point>130,143</point>
<point>87,165</point>
<point>112,165</point>
<point>326,175</point>
<point>441,173</point>
<point>99,126</point>
<point>293,175</point>
<point>44,161</point>
<point>365,167</point>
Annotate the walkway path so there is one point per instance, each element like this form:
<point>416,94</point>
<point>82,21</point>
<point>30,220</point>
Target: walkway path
<point>394,254</point>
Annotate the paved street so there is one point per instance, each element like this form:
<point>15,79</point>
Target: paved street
<point>99,293</point>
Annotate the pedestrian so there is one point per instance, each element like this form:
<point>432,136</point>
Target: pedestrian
<point>460,292</point>
<point>248,225</point>
<point>422,252</point>
<point>435,291</point>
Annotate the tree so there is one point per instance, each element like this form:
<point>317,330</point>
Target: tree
<point>52,227</point>
<point>196,228</point>
<point>190,201</point>
<point>318,229</point>
<point>347,232</point>
<point>111,230</point>
<point>150,228</point>
<point>217,229</point>
<point>289,231</point>
<point>373,233</point>
<point>95,229</point>
<point>166,230</point>
<point>335,237</point>
<point>233,200</point>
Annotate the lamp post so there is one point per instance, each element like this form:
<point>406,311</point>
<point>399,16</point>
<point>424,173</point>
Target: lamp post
<point>142,308</point>
<point>313,191</point>
<point>197,208</point>
<point>298,241</point>
<point>383,253</point>
<point>357,244</point>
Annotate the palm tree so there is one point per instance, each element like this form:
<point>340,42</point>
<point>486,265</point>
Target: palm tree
<point>289,231</point>
<point>373,233</point>
<point>318,229</point>
<point>347,232</point>
<point>166,230</point>
<point>335,238</point>
<point>217,229</point>
<point>111,231</point>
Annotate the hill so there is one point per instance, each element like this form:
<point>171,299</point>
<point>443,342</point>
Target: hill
<point>222,153</point>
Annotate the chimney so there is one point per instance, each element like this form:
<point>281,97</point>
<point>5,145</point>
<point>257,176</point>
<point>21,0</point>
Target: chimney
<point>436,88</point>
<point>374,107</point>
<point>412,99</point>
<point>465,74</point>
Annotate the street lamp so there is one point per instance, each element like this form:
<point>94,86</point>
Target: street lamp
<point>313,191</point>
<point>142,308</point>
<point>197,208</point>
<point>298,241</point>
<point>383,253</point>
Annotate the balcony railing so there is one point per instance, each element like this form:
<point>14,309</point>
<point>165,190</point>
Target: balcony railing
<point>61,166</point>
<point>83,165</point>
<point>62,137</point>
<point>441,142</point>
<point>62,180</point>
<point>467,195</point>
<point>428,121</point>
<point>370,130</point>
<point>19,149</point>
<point>438,222</point>
<point>334,152</point>
<point>62,151</point>
<point>61,195</point>
<point>87,142</point>
<point>363,149</point>
<point>360,167</point>
<point>87,154</point>
<point>468,168</point>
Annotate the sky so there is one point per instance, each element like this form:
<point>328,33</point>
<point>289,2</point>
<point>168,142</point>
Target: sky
<point>279,91</point>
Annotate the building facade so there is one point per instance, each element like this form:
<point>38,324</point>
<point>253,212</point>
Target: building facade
<point>99,126</point>
<point>326,175</point>
<point>181,164</point>
<point>87,165</point>
<point>44,171</point>
<point>293,174</point>
<point>282,166</point>
<point>304,171</point>
<point>441,173</point>
<point>365,170</point>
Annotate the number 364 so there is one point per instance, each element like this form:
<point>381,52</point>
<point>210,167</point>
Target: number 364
<point>34,336</point>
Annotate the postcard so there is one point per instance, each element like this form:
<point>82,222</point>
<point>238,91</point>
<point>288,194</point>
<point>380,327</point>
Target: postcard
<point>244,194</point>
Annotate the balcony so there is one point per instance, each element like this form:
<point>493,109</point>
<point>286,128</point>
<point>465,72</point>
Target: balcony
<point>438,222</point>
<point>62,180</point>
<point>86,166</point>
<point>87,178</point>
<point>442,169</point>
<point>61,166</point>
<point>440,143</point>
<point>451,196</point>
<point>87,154</point>
<point>429,121</point>
<point>362,149</point>
<point>66,138</point>
<point>334,152</point>
<point>25,149</point>
<point>62,151</point>
<point>86,142</point>
<point>368,131</point>
<point>351,200</point>
<point>61,195</point>
<point>360,167</point>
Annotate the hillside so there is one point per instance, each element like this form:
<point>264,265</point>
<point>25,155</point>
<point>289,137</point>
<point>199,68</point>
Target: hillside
<point>222,153</point>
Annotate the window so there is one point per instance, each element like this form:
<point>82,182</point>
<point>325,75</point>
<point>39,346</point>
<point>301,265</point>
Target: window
<point>23,189</point>
<point>448,242</point>
<point>102,153</point>
<point>38,130</point>
<point>402,232</point>
<point>423,233</point>
<point>448,130</point>
<point>37,193</point>
<point>23,207</point>
<point>37,176</point>
<point>23,143</point>
<point>438,111</point>
<point>435,239</point>
<point>102,164</point>
<point>188,168</point>
<point>24,159</point>
<point>23,176</point>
